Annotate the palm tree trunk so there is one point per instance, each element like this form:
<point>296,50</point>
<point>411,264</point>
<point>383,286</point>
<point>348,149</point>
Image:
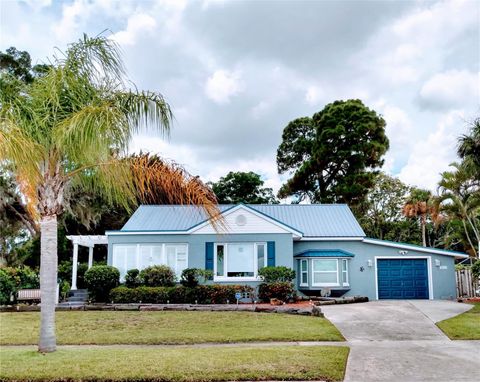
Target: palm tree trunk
<point>468,237</point>
<point>423,224</point>
<point>48,283</point>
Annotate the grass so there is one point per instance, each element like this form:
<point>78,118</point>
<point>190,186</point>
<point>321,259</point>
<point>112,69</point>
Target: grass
<point>101,328</point>
<point>177,364</point>
<point>465,326</point>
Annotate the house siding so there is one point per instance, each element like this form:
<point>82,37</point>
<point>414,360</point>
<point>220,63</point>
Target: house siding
<point>196,246</point>
<point>363,283</point>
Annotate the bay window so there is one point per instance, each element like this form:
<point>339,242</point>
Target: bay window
<point>325,272</point>
<point>239,260</point>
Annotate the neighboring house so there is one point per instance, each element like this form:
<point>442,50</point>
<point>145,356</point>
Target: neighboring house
<point>323,243</point>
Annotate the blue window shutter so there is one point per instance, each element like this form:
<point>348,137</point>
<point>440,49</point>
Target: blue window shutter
<point>209,256</point>
<point>270,254</point>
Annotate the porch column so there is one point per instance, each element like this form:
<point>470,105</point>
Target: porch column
<point>90,257</point>
<point>74,266</point>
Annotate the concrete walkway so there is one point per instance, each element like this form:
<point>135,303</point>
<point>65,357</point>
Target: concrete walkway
<point>399,341</point>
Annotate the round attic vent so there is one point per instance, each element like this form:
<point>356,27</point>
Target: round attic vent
<point>241,220</point>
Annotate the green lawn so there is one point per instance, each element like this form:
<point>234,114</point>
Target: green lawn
<point>465,326</point>
<point>177,364</point>
<point>96,327</point>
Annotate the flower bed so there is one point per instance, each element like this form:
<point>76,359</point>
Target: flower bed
<point>201,294</point>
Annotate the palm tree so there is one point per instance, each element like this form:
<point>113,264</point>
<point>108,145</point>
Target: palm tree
<point>419,206</point>
<point>469,149</point>
<point>459,197</point>
<point>70,130</point>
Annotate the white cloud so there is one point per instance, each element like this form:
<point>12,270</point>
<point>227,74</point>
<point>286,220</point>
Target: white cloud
<point>417,43</point>
<point>137,25</point>
<point>432,155</point>
<point>450,89</point>
<point>222,85</point>
<point>399,132</point>
<point>72,15</point>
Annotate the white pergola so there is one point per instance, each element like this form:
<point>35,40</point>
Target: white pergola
<point>86,241</point>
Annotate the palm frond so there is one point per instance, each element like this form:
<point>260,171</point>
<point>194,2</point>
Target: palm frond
<point>160,182</point>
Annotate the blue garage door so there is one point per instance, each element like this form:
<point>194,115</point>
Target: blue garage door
<point>402,279</point>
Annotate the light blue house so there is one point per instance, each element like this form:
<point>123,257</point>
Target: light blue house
<point>323,243</point>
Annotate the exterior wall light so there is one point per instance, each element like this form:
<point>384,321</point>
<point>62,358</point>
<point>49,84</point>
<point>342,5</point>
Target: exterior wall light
<point>403,252</point>
<point>437,263</point>
<point>370,263</point>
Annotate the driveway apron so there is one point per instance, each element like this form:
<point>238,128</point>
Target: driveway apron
<point>399,341</point>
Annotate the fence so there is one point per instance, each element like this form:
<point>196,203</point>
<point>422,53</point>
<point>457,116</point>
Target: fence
<point>467,283</point>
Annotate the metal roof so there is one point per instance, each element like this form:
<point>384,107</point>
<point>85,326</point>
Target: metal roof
<point>324,253</point>
<point>313,220</point>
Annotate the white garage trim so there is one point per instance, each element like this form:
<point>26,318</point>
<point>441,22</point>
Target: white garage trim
<point>416,248</point>
<point>429,270</point>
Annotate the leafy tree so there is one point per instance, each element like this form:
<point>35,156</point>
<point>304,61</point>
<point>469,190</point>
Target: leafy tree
<point>16,224</point>
<point>67,131</point>
<point>380,214</point>
<point>242,187</point>
<point>18,64</point>
<point>333,155</point>
<point>469,149</point>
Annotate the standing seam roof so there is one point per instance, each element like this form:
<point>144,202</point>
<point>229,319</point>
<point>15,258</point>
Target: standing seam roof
<point>314,220</point>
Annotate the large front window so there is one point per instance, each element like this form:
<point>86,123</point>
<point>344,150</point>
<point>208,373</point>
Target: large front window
<point>325,272</point>
<point>239,260</point>
<point>140,256</point>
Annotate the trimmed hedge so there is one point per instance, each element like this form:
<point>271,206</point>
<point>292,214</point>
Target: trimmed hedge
<point>158,276</point>
<point>280,290</point>
<point>100,280</point>
<point>201,294</point>
<point>277,274</point>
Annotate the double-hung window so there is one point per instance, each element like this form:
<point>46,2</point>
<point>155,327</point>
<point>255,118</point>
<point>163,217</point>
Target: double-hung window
<point>325,272</point>
<point>345,272</point>
<point>304,272</point>
<point>239,260</point>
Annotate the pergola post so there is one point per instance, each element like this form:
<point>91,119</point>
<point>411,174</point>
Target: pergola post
<point>90,257</point>
<point>74,266</point>
<point>87,241</point>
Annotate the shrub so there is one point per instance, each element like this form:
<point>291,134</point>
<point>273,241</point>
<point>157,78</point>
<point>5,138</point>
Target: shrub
<point>191,277</point>
<point>158,275</point>
<point>132,278</point>
<point>23,277</point>
<point>7,287</point>
<point>64,289</point>
<point>65,273</point>
<point>100,280</point>
<point>280,290</point>
<point>277,274</point>
<point>476,268</point>
<point>202,294</point>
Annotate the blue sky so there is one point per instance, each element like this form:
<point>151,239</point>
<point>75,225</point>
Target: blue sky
<point>236,72</point>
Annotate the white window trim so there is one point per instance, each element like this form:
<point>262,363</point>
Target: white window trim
<point>347,278</point>
<point>429,271</point>
<point>324,284</point>
<point>303,272</point>
<point>255,276</point>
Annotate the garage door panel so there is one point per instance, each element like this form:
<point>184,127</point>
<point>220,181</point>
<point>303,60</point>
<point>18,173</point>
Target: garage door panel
<point>402,279</point>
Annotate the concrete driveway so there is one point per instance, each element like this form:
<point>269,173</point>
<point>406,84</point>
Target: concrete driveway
<point>399,341</point>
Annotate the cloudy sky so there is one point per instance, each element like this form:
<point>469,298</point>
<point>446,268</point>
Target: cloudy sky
<point>236,72</point>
